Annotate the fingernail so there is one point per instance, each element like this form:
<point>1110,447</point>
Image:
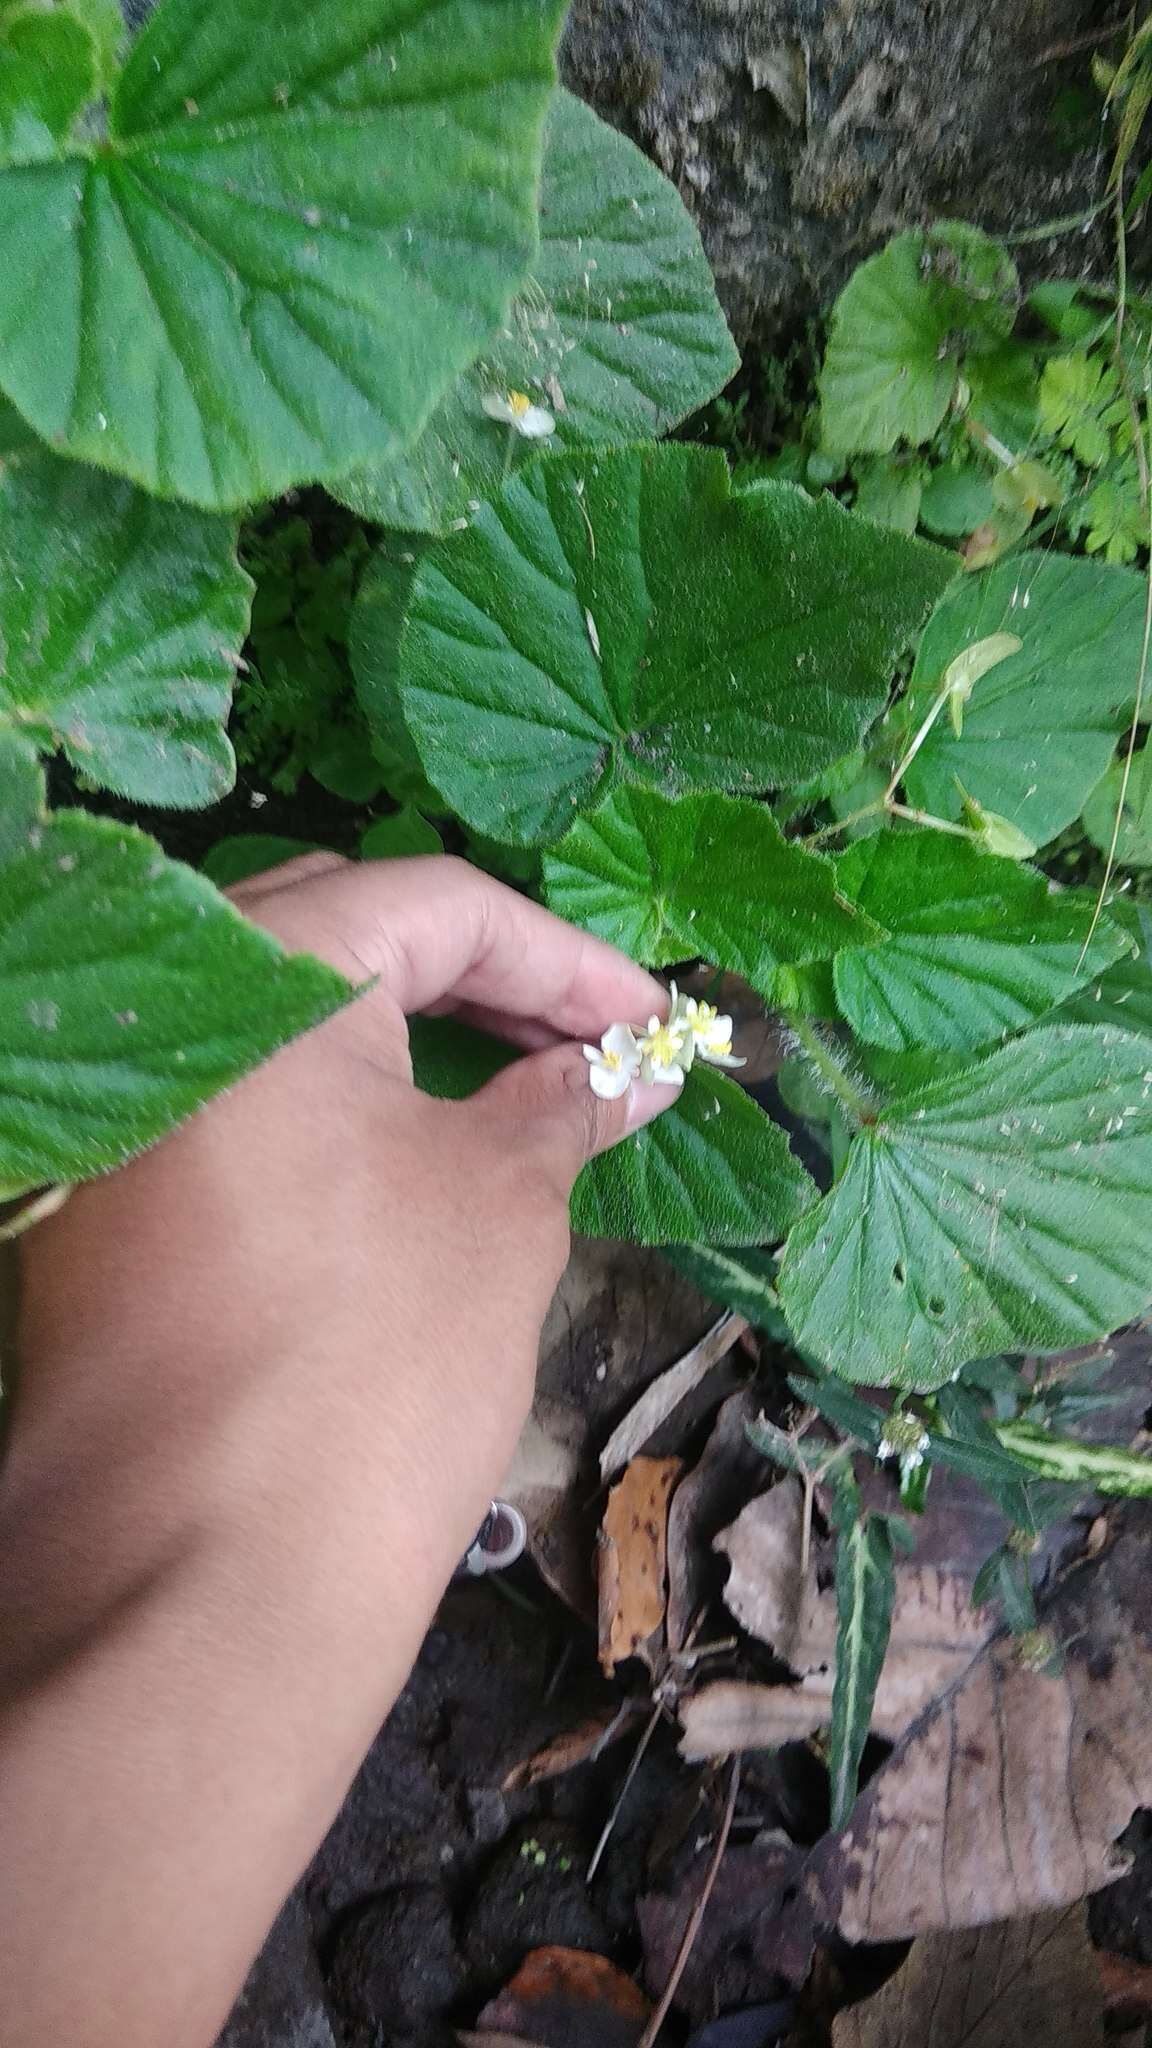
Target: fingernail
<point>646,1100</point>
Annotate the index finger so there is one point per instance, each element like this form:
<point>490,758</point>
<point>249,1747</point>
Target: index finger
<point>436,930</point>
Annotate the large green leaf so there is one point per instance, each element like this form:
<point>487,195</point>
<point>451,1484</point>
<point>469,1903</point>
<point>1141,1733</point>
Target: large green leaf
<point>130,992</point>
<point>617,332</point>
<point>627,617</point>
<point>899,329</point>
<point>1040,727</point>
<point>298,231</point>
<point>1133,803</point>
<point>373,650</point>
<point>47,73</point>
<point>1006,1208</point>
<point>121,622</point>
<point>865,1594</point>
<point>979,946</point>
<point>712,1167</point>
<point>666,878</point>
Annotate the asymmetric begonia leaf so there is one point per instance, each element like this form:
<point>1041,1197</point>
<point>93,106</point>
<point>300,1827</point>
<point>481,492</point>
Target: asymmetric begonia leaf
<point>617,332</point>
<point>1039,728</point>
<point>1006,1208</point>
<point>121,621</point>
<point>665,878</point>
<point>898,332</point>
<point>130,992</point>
<point>297,233</point>
<point>712,1167</point>
<point>979,946</point>
<point>627,617</point>
<point>1131,797</point>
<point>1123,995</point>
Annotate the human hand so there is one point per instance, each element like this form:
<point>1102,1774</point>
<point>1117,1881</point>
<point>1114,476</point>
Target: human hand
<point>271,1374</point>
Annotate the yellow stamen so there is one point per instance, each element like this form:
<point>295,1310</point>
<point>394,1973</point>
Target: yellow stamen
<point>520,403</point>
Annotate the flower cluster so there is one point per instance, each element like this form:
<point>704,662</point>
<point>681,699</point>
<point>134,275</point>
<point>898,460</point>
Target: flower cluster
<point>664,1052</point>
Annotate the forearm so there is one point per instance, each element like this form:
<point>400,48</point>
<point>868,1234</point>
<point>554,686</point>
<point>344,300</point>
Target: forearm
<point>192,1669</point>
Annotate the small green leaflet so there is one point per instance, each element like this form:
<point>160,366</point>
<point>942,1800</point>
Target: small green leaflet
<point>1007,1208</point>
<point>956,501</point>
<point>865,1594</point>
<point>47,76</point>
<point>21,792</point>
<point>122,622</point>
<point>617,332</point>
<point>1134,838</point>
<point>666,878</point>
<point>627,617</point>
<point>979,946</point>
<point>130,993</point>
<point>1040,727</point>
<point>398,837</point>
<point>742,1279</point>
<point>898,331</point>
<point>296,235</point>
<point>712,1167</point>
<point>244,854</point>
<point>1106,1468</point>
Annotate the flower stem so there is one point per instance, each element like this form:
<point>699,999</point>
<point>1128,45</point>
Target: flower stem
<point>851,1098</point>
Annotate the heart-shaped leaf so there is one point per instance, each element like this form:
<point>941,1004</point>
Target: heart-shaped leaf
<point>295,235</point>
<point>617,332</point>
<point>667,878</point>
<point>130,992</point>
<point>627,617</point>
<point>1039,728</point>
<point>712,1167</point>
<point>898,332</point>
<point>1008,1208</point>
<point>47,74</point>
<point>122,622</point>
<point>979,946</point>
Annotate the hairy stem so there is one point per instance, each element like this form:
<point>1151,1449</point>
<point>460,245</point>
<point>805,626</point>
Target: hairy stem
<point>851,1098</point>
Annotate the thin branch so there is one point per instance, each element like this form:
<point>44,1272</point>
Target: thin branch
<point>696,1916</point>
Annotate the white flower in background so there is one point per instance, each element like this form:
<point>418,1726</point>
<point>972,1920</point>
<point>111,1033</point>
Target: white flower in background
<point>662,1051</point>
<point>709,1033</point>
<point>515,409</point>
<point>613,1064</point>
<point>904,1438</point>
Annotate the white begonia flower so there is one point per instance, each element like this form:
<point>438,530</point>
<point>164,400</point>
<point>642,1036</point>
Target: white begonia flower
<point>613,1064</point>
<point>706,1033</point>
<point>904,1438</point>
<point>515,409</point>
<point>665,1050</point>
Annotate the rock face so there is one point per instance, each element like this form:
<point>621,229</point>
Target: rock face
<point>803,132</point>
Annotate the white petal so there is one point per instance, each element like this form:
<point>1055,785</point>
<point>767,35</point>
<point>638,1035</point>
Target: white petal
<point>670,1076</point>
<point>621,1039</point>
<point>609,1082</point>
<point>719,1059</point>
<point>497,408</point>
<point>592,1052</point>
<point>536,424</point>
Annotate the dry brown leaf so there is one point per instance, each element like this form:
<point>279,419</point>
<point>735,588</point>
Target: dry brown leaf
<point>1006,1797</point>
<point>633,1558</point>
<point>935,1634</point>
<point>745,1945</point>
<point>576,1746</point>
<point>729,1469</point>
<point>664,1394</point>
<point>618,1317</point>
<point>568,1998</point>
<point>1127,1988</point>
<point>994,1987</point>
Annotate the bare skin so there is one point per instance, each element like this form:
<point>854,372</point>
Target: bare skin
<point>271,1374</point>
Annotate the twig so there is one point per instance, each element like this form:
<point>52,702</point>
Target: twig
<point>1074,44</point>
<point>621,1796</point>
<point>696,1916</point>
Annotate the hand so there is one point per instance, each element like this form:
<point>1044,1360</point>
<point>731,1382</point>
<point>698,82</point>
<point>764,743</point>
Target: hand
<point>271,1374</point>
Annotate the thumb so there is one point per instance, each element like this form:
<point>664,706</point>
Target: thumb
<point>548,1100</point>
